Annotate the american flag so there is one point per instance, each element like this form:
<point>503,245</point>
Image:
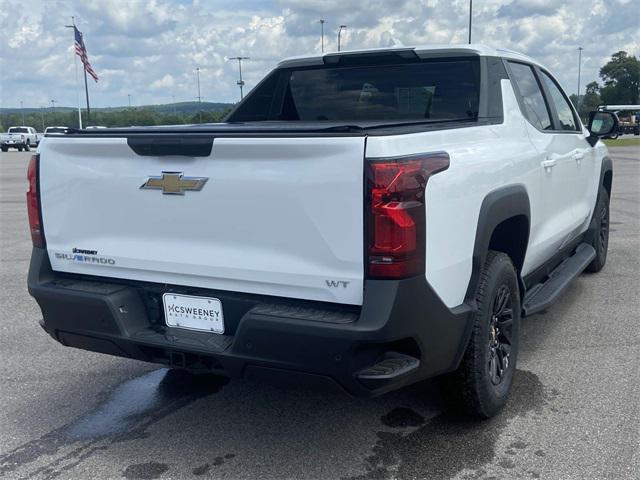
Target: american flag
<point>81,51</point>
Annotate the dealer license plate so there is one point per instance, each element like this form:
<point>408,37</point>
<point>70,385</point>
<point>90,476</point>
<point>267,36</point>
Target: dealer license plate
<point>203,314</point>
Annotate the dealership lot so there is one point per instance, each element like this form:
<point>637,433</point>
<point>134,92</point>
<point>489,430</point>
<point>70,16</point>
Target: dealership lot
<point>574,411</point>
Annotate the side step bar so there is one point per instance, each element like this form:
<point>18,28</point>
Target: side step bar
<point>544,294</point>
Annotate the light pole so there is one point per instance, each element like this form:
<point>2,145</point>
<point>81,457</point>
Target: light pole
<point>322,35</point>
<point>173,100</point>
<point>470,15</point>
<point>240,82</point>
<point>22,111</point>
<point>579,66</point>
<point>129,99</point>
<point>199,97</point>
<point>42,114</point>
<point>340,33</point>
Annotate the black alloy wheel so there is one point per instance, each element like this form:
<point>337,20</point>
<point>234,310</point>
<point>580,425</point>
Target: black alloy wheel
<point>600,227</point>
<point>481,384</point>
<point>500,335</point>
<point>603,238</point>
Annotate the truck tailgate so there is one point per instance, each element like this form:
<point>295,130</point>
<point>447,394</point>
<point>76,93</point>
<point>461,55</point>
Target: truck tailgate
<point>276,216</point>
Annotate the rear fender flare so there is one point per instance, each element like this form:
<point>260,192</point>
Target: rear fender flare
<point>497,206</point>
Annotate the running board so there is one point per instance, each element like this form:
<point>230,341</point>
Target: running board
<point>542,295</point>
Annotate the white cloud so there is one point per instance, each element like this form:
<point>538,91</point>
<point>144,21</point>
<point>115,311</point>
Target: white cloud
<point>151,48</point>
<point>165,82</point>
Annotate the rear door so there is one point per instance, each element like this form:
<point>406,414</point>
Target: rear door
<point>558,181</point>
<point>273,216</point>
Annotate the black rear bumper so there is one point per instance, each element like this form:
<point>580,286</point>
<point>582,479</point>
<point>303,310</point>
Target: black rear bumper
<point>403,332</point>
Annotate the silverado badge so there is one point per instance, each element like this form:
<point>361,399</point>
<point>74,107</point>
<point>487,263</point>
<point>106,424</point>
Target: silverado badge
<point>173,183</point>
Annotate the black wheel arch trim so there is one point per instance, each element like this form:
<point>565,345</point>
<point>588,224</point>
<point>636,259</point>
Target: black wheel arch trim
<point>499,205</point>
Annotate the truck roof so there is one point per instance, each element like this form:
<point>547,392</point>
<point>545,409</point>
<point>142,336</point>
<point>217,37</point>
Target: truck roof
<point>420,51</point>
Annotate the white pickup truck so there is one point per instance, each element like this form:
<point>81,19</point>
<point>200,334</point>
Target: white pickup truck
<point>367,219</point>
<point>12,140</point>
<point>29,135</point>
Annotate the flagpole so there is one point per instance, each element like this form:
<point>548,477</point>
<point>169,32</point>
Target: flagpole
<point>86,91</point>
<point>75,63</point>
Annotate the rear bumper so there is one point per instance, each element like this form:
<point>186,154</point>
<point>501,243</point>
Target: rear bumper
<point>265,336</point>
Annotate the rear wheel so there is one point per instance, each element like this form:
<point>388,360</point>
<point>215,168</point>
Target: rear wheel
<point>482,383</point>
<point>27,146</point>
<point>600,240</point>
<point>20,149</point>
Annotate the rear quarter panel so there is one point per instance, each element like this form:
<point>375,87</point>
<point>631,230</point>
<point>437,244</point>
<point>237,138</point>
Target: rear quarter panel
<point>483,159</point>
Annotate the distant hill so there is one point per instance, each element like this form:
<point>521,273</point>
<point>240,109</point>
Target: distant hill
<point>185,108</point>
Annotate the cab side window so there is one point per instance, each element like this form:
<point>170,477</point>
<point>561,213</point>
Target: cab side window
<point>563,109</point>
<point>535,108</point>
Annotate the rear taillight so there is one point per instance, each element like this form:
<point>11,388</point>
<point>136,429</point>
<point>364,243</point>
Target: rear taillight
<point>33,203</point>
<point>396,228</point>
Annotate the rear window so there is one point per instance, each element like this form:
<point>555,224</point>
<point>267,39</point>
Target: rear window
<point>436,90</point>
<point>18,130</point>
<point>535,108</point>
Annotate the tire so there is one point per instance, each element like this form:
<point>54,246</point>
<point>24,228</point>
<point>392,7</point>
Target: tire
<point>4,149</point>
<point>481,385</point>
<point>20,149</point>
<point>27,146</point>
<point>600,240</point>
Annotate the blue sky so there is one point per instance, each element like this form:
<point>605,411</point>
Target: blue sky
<point>150,48</point>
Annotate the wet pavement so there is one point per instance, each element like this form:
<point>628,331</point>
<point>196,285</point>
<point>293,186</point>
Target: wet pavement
<point>574,411</point>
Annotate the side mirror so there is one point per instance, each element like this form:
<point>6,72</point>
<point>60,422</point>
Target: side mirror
<point>601,124</point>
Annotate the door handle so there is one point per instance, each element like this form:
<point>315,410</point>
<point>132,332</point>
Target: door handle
<point>578,157</point>
<point>549,163</point>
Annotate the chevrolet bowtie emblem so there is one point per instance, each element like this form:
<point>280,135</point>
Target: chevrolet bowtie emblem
<point>173,183</point>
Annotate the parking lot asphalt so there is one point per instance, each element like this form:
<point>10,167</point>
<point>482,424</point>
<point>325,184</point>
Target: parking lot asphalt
<point>574,411</point>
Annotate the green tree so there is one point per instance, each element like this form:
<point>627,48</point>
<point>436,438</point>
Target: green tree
<point>621,78</point>
<point>587,102</point>
<point>590,100</point>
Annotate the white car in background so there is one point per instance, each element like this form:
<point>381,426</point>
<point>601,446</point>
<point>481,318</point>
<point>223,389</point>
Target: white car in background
<point>30,136</point>
<point>58,129</point>
<point>12,140</point>
<point>55,130</point>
